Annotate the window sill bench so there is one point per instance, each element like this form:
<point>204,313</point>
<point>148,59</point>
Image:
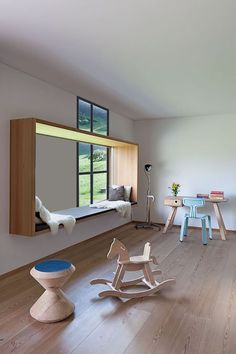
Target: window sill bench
<point>79,214</point>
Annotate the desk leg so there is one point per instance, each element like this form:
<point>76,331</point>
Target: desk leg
<point>220,221</point>
<point>170,219</point>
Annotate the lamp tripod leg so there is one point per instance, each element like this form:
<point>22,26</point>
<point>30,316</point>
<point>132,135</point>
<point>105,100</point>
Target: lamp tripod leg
<point>148,224</point>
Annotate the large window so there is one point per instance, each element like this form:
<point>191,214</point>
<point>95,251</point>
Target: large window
<point>92,160</point>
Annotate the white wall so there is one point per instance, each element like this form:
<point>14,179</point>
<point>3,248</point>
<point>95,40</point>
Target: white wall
<point>55,177</point>
<point>199,153</point>
<point>24,96</point>
<point>121,127</point>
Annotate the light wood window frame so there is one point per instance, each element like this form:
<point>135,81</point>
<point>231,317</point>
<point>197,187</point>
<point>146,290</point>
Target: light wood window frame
<point>23,131</point>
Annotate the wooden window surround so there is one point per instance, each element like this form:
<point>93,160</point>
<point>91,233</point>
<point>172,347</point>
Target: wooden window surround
<point>123,166</point>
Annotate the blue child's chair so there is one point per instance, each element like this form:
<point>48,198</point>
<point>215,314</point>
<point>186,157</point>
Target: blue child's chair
<point>193,204</point>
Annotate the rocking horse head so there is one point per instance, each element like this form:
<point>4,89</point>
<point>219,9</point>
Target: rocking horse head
<point>118,249</point>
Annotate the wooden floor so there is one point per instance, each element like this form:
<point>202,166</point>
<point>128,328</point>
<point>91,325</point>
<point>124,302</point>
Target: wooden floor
<point>197,315</point>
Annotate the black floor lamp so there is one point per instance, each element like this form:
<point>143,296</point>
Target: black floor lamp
<point>150,199</point>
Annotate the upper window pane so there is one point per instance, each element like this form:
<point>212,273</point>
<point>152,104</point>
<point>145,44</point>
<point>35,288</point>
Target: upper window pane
<point>84,115</point>
<point>84,157</point>
<point>100,120</point>
<point>99,158</point>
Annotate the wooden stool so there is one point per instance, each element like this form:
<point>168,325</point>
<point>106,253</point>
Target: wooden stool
<point>53,305</point>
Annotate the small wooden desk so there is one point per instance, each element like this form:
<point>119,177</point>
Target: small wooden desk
<point>176,202</point>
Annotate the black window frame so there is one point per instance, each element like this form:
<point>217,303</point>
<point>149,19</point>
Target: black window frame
<point>91,173</point>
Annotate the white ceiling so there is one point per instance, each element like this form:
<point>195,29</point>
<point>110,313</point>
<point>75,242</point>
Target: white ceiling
<point>142,59</point>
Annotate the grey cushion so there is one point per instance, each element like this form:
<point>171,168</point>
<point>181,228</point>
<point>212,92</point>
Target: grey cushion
<point>127,192</point>
<point>116,193</point>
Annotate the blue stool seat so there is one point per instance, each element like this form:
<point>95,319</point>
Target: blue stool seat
<point>53,305</point>
<point>193,204</point>
<point>53,265</point>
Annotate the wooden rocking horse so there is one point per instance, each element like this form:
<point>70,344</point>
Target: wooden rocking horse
<point>126,263</point>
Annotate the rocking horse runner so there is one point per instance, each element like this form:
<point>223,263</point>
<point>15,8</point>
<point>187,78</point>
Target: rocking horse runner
<point>126,263</point>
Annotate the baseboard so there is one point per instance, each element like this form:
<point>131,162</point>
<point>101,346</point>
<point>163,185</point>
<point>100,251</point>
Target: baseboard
<point>56,254</point>
<point>199,228</point>
<point>179,226</point>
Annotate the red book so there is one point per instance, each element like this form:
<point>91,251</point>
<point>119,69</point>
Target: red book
<point>217,192</point>
<point>216,196</point>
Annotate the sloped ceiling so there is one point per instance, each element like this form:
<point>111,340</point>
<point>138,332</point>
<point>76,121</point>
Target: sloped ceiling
<point>142,59</point>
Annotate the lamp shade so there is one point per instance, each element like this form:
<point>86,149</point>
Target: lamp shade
<point>148,167</point>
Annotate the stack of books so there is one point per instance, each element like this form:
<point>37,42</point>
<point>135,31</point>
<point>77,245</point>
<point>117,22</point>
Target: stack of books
<point>204,196</point>
<point>217,195</point>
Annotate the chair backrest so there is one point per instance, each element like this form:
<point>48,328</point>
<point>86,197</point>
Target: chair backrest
<point>193,204</point>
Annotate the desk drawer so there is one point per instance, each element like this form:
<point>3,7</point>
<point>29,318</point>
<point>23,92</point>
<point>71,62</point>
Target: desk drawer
<point>173,202</point>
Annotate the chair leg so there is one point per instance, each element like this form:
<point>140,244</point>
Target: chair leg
<point>181,237</point>
<point>210,227</point>
<point>186,227</point>
<point>204,233</point>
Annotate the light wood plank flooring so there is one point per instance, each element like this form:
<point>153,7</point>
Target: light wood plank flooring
<point>197,315</point>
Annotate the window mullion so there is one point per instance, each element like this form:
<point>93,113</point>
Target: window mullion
<point>91,118</point>
<point>77,175</point>
<point>91,157</point>
<point>91,174</point>
<point>108,175</point>
<point>108,123</point>
<point>102,171</point>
